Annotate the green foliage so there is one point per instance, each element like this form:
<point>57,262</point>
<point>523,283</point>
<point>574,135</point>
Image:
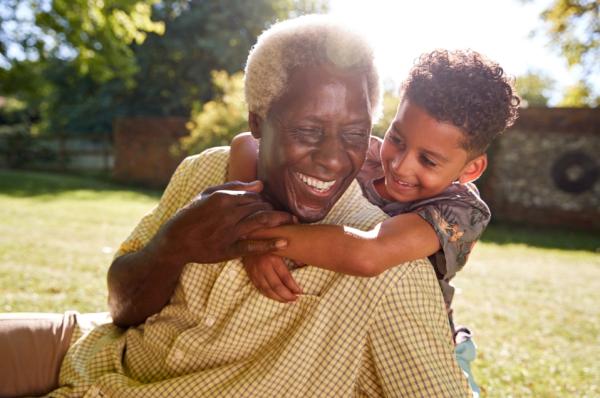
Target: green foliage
<point>390,105</point>
<point>97,33</point>
<point>579,95</point>
<point>534,87</point>
<point>217,121</point>
<point>113,60</point>
<point>574,29</point>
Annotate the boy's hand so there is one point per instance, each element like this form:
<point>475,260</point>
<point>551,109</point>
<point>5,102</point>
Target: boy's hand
<point>271,277</point>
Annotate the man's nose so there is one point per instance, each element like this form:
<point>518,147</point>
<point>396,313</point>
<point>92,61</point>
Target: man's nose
<point>331,155</point>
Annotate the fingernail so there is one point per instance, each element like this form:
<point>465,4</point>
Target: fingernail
<point>281,243</point>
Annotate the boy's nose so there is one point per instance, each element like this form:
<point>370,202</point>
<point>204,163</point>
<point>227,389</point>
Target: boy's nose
<point>401,163</point>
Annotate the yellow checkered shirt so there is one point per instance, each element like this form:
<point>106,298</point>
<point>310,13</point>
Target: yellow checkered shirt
<point>219,337</point>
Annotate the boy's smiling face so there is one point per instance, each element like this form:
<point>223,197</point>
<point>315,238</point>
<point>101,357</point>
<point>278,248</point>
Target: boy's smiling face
<point>422,156</point>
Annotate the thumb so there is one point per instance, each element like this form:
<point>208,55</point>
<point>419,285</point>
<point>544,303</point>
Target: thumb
<point>253,186</point>
<point>243,248</point>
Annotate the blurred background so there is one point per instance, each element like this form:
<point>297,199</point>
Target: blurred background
<point>100,100</point>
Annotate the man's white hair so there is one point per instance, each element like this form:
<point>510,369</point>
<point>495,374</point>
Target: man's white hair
<point>310,40</point>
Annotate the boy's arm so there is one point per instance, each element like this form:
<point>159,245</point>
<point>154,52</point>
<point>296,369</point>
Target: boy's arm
<point>243,155</point>
<point>347,250</point>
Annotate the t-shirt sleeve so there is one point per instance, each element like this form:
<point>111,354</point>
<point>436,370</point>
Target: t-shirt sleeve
<point>458,220</point>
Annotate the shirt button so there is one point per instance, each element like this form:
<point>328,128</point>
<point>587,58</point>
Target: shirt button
<point>210,320</point>
<point>178,355</point>
<point>232,273</point>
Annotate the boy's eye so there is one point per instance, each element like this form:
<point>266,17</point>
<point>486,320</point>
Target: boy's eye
<point>428,162</point>
<point>396,139</point>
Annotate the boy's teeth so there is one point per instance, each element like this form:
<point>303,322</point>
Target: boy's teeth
<point>315,183</point>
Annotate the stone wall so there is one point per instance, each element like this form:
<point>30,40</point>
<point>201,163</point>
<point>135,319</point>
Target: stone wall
<point>546,169</point>
<point>142,148</point>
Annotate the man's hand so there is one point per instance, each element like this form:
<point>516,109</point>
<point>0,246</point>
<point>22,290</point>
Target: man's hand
<point>271,277</point>
<point>213,226</point>
<point>210,229</point>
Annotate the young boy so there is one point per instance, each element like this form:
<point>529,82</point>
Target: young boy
<point>453,104</point>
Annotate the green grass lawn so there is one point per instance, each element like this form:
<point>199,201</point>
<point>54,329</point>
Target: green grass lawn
<point>531,296</point>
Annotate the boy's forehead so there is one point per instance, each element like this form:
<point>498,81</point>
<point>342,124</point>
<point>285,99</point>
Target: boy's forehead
<point>441,139</point>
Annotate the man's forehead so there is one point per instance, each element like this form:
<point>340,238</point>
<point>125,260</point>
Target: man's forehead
<point>312,87</point>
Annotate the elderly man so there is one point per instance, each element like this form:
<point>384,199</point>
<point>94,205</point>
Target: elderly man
<point>202,328</point>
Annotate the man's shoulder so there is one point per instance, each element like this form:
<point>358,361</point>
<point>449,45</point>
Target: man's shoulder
<point>213,157</point>
<point>207,168</point>
<point>354,210</point>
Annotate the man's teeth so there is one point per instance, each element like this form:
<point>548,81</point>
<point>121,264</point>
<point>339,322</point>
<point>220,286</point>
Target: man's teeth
<point>315,183</point>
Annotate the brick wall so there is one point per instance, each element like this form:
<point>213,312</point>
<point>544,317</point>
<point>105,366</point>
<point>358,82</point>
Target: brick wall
<point>142,149</point>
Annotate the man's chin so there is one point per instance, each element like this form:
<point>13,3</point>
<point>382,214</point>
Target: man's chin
<point>310,214</point>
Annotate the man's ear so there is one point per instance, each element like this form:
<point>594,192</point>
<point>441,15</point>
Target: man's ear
<point>473,169</point>
<point>255,123</point>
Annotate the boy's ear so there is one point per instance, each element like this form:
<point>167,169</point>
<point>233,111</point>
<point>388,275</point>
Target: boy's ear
<point>473,169</point>
<point>255,123</point>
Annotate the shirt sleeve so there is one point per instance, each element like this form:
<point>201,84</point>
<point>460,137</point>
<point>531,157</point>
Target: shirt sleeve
<point>151,222</point>
<point>458,220</point>
<point>409,343</point>
<point>372,166</point>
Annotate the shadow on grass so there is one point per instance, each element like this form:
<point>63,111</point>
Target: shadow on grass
<point>20,183</point>
<point>555,238</point>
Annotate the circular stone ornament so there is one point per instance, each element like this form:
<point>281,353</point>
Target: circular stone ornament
<point>574,172</point>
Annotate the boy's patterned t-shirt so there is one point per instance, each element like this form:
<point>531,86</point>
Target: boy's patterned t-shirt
<point>458,215</point>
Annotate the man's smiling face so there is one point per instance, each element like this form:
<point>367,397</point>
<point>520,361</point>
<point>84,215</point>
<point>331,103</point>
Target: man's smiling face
<point>313,141</point>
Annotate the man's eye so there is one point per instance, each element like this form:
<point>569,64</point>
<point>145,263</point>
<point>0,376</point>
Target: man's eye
<point>307,133</point>
<point>356,136</point>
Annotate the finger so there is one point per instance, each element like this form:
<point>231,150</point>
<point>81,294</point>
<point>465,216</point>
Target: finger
<point>263,219</point>
<point>276,284</point>
<point>253,276</point>
<point>286,277</point>
<point>251,265</point>
<point>250,247</point>
<point>264,287</point>
<point>248,218</point>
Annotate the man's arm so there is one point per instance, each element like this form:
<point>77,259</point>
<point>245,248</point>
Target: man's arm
<point>207,230</point>
<point>409,340</point>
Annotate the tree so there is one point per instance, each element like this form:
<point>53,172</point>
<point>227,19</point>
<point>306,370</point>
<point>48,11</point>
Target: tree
<point>201,36</point>
<point>217,121</point>
<point>574,29</point>
<point>390,105</point>
<point>96,35</point>
<point>579,95</point>
<point>534,88</point>
<point>165,74</point>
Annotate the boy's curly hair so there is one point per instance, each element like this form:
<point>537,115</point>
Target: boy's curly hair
<point>467,90</point>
